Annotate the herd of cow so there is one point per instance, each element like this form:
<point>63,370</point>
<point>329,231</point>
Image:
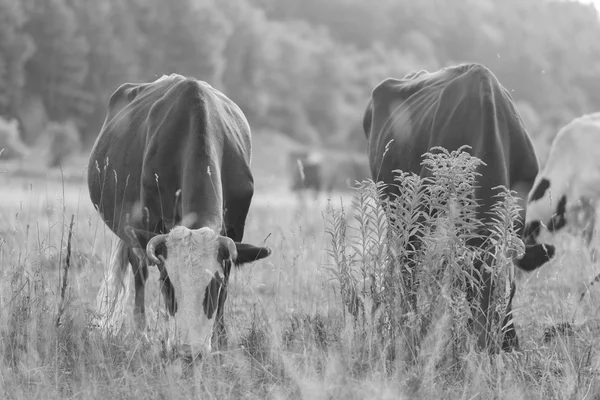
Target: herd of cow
<point>170,175</point>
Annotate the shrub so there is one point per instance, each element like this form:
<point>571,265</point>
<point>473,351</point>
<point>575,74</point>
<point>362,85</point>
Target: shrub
<point>412,294</point>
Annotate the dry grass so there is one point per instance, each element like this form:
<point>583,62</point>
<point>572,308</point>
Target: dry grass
<point>290,336</point>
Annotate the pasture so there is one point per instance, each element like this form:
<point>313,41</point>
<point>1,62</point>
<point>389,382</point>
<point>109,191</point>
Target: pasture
<point>289,334</point>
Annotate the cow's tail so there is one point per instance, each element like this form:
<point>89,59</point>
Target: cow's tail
<point>114,291</point>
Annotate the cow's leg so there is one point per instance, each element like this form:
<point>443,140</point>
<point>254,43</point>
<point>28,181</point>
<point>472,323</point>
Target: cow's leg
<point>409,263</point>
<point>220,332</point>
<point>484,314</point>
<point>235,221</point>
<point>140,272</point>
<point>479,297</point>
<point>166,287</point>
<point>510,341</point>
<point>593,236</point>
<point>482,320</point>
<point>168,292</point>
<point>410,283</point>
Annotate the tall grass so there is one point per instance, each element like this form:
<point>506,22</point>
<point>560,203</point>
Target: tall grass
<point>406,283</point>
<point>346,307</point>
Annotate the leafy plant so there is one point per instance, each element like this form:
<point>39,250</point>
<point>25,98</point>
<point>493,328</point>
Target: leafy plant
<point>410,260</point>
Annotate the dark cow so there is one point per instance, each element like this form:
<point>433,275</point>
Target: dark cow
<point>569,182</point>
<point>305,170</point>
<point>326,171</point>
<point>170,173</point>
<point>452,107</point>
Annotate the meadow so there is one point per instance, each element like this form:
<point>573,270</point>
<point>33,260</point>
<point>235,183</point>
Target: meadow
<point>290,333</point>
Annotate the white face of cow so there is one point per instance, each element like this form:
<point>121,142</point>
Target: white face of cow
<point>196,262</point>
<point>192,264</point>
<point>546,210</point>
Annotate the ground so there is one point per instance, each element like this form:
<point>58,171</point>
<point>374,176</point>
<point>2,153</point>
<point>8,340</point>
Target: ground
<point>273,307</point>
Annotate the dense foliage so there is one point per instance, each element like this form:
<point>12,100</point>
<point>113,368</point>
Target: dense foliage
<point>401,290</point>
<point>302,67</point>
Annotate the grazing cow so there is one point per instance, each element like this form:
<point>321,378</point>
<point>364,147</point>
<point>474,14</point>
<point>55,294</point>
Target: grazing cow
<point>326,171</point>
<point>170,174</point>
<point>305,168</point>
<point>569,182</point>
<point>452,107</point>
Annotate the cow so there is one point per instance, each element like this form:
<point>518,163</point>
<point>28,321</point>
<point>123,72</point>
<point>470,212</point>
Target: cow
<point>569,182</point>
<point>326,171</point>
<point>450,108</point>
<point>305,170</point>
<point>170,175</point>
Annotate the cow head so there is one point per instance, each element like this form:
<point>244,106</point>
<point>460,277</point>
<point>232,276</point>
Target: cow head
<point>569,183</point>
<point>196,262</point>
<point>556,204</point>
<point>546,210</point>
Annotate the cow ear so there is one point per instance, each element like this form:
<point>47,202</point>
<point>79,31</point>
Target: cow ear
<point>248,253</point>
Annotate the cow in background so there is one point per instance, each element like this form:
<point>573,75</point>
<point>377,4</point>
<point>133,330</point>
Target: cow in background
<point>305,170</point>
<point>566,193</point>
<point>326,171</point>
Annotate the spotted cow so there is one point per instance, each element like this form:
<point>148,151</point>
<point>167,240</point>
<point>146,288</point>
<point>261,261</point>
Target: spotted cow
<point>569,184</point>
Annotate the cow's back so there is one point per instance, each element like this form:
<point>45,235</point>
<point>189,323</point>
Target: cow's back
<point>166,131</point>
<point>456,106</point>
<point>573,143</point>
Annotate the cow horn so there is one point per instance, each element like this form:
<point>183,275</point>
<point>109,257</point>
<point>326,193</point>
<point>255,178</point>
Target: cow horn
<point>229,244</point>
<point>151,248</point>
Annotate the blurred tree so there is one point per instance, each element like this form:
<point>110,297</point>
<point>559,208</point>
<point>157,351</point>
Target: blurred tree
<point>58,68</point>
<point>303,67</point>
<point>64,140</point>
<point>350,21</point>
<point>290,59</point>
<point>112,59</point>
<point>16,47</point>
<point>185,37</point>
<point>244,68</point>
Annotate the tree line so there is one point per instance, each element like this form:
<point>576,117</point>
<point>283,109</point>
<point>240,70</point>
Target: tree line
<point>304,68</point>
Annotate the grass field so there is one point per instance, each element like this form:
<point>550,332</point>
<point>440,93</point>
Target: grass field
<point>288,334</point>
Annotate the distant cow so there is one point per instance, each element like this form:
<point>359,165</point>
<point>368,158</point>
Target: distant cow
<point>170,174</point>
<point>327,170</point>
<point>341,169</point>
<point>11,146</point>
<point>305,170</point>
<point>569,182</point>
<point>452,107</point>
